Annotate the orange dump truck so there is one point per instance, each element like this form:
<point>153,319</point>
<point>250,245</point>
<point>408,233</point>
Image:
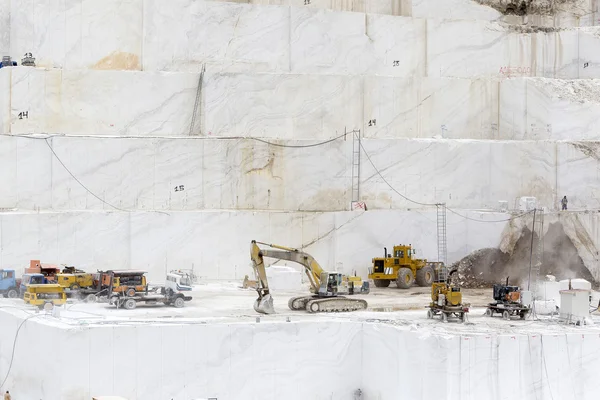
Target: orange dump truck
<point>48,270</point>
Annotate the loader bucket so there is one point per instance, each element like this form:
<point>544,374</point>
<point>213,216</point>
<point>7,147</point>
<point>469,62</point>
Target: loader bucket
<point>264,305</point>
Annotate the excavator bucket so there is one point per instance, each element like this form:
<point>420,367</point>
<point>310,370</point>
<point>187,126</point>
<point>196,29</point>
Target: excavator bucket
<point>264,305</point>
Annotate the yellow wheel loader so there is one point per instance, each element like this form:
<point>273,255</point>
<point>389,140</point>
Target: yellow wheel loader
<point>327,288</point>
<point>402,268</point>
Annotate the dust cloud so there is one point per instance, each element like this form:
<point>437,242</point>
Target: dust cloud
<point>485,267</point>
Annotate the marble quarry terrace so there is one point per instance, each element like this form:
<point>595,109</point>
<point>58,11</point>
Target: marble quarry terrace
<point>158,135</point>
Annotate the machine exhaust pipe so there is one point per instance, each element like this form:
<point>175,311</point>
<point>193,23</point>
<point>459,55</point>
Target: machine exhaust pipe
<point>507,280</point>
<point>385,252</point>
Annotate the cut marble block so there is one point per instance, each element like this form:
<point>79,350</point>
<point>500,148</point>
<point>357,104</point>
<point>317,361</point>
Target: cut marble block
<point>284,278</point>
<point>101,102</point>
<point>430,107</point>
<point>185,174</point>
<point>422,170</point>
<point>181,35</point>
<point>477,48</point>
<point>281,106</point>
<point>389,7</point>
<point>352,43</point>
<point>453,9</point>
<point>78,34</point>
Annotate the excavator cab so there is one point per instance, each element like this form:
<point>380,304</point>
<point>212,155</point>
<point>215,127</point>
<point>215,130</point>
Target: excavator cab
<point>332,284</point>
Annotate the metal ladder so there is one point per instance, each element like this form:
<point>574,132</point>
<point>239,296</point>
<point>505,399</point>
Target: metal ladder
<point>441,233</point>
<point>355,165</point>
<point>197,102</point>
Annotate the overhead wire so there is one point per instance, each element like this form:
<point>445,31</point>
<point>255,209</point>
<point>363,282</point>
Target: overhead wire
<point>12,357</point>
<point>433,204</point>
<point>377,171</point>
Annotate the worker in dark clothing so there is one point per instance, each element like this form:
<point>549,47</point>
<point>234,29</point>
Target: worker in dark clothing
<point>564,202</point>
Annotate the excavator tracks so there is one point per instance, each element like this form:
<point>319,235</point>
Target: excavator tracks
<point>314,304</point>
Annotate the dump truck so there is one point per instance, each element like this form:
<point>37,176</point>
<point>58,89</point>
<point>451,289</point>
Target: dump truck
<point>39,295</point>
<point>9,284</point>
<point>171,294</point>
<point>48,270</point>
<point>402,268</point>
<point>446,298</point>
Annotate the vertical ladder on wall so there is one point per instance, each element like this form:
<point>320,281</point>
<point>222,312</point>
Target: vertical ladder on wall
<point>197,102</point>
<point>441,233</point>
<point>355,165</point>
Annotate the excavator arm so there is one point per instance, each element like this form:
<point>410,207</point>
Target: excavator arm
<point>313,270</point>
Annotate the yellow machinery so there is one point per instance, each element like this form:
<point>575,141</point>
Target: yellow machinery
<point>327,288</point>
<point>402,268</point>
<point>38,295</point>
<point>75,281</point>
<point>446,298</point>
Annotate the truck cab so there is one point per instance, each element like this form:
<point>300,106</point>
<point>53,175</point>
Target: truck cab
<point>9,285</point>
<point>178,283</point>
<point>31,279</point>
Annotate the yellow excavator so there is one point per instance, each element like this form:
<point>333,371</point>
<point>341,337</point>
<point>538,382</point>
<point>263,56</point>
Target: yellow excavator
<point>327,288</point>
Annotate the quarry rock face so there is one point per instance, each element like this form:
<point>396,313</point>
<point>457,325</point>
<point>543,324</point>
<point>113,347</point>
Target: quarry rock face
<point>191,116</point>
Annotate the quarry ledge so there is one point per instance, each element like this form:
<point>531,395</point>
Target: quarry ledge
<point>267,140</point>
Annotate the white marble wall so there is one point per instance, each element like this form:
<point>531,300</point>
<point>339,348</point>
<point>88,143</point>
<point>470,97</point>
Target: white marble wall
<point>181,35</point>
<point>78,34</point>
<point>143,174</point>
<point>215,243</point>
<point>243,174</point>
<point>234,361</point>
<point>98,102</point>
<point>296,106</point>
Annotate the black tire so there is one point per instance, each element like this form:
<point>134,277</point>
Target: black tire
<point>179,302</point>
<point>425,276</point>
<point>74,286</point>
<point>381,282</point>
<point>506,315</point>
<point>130,292</point>
<point>129,304</point>
<point>12,294</point>
<point>405,278</point>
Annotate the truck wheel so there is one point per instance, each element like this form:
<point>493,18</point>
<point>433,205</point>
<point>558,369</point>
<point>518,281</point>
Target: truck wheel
<point>179,302</point>
<point>506,315</point>
<point>129,304</point>
<point>130,292</point>
<point>381,282</point>
<point>429,314</point>
<point>425,276</point>
<point>91,298</point>
<point>74,286</point>
<point>489,312</point>
<point>405,278</point>
<point>12,294</point>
